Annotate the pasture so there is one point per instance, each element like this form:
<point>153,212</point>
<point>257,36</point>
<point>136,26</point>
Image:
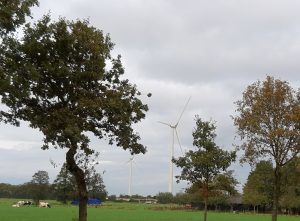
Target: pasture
<point>120,212</point>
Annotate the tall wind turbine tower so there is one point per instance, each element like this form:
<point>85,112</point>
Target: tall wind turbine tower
<point>174,132</point>
<point>130,161</point>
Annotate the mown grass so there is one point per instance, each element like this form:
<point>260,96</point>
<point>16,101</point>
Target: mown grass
<point>121,212</point>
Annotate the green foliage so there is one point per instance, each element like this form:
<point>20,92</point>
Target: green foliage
<point>6,190</point>
<point>196,193</point>
<point>226,183</point>
<point>95,184</point>
<point>59,82</point>
<point>13,14</point>
<point>291,185</point>
<point>258,189</point>
<point>208,160</point>
<point>56,78</point>
<point>164,197</point>
<point>21,191</point>
<point>39,185</point>
<point>41,177</point>
<point>223,188</point>
<point>64,185</point>
<point>201,166</point>
<point>183,198</point>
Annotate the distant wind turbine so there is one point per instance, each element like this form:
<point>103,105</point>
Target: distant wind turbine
<point>130,161</point>
<point>174,132</point>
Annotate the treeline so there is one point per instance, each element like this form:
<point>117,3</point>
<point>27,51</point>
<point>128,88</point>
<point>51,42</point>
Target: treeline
<point>257,192</point>
<point>62,189</point>
<point>222,194</point>
<point>220,202</point>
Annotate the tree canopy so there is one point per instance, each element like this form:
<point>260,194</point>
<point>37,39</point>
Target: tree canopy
<point>39,185</point>
<point>268,121</point>
<point>13,14</point>
<point>58,81</point>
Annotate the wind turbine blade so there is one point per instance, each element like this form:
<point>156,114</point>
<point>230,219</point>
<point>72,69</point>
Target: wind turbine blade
<point>183,111</point>
<point>130,159</point>
<point>164,123</point>
<point>178,140</point>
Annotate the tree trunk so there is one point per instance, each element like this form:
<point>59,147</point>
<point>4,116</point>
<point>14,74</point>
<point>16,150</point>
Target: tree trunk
<point>205,208</point>
<point>205,201</point>
<point>276,193</point>
<point>64,196</point>
<point>80,181</point>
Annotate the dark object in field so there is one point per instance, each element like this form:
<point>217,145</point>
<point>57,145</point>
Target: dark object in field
<point>27,203</point>
<point>91,201</point>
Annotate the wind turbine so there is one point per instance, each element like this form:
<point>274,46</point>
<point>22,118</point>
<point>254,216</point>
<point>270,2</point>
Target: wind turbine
<point>174,132</point>
<point>130,161</point>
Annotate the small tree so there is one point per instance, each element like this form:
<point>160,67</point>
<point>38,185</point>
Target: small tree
<point>95,185</point>
<point>65,188</point>
<point>182,198</point>
<point>268,122</point>
<point>201,166</point>
<point>164,197</point>
<point>39,185</point>
<point>64,185</point>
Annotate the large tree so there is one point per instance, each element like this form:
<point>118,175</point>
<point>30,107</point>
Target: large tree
<point>61,78</point>
<point>202,165</point>
<point>268,123</point>
<point>13,14</point>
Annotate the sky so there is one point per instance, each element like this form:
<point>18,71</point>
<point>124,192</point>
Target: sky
<point>207,50</point>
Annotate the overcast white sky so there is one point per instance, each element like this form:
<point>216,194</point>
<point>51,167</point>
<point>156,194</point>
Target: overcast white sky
<point>209,50</point>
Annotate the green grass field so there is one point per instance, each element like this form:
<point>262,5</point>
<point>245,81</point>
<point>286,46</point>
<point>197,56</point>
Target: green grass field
<point>120,212</point>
